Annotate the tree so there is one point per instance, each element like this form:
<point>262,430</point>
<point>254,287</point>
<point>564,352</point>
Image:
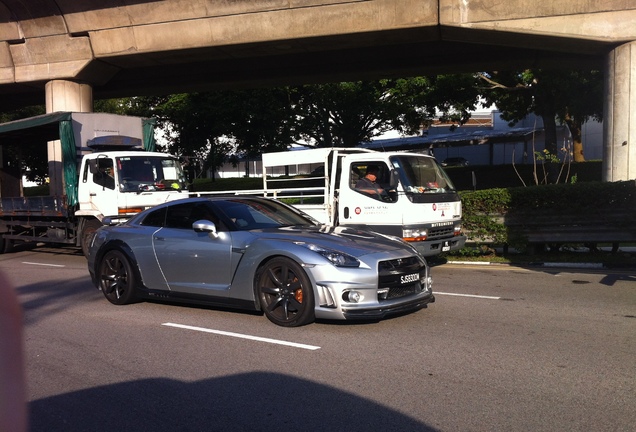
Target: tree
<point>31,157</point>
<point>194,126</point>
<point>210,126</point>
<point>259,120</point>
<point>568,96</point>
<point>583,100</point>
<point>348,113</point>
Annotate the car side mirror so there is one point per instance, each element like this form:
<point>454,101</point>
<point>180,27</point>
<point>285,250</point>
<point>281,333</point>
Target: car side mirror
<point>203,225</point>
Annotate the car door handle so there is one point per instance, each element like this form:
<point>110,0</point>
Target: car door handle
<point>159,238</point>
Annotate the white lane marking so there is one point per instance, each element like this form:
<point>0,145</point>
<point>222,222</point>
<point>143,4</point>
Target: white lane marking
<point>467,295</point>
<point>43,264</point>
<point>243,336</point>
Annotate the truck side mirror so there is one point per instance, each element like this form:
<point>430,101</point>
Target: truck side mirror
<point>92,166</point>
<point>394,179</point>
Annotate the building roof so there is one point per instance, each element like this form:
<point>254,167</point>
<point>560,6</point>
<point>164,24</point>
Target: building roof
<point>459,137</point>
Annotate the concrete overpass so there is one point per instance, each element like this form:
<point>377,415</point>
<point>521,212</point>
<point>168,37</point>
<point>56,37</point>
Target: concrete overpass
<point>65,53</point>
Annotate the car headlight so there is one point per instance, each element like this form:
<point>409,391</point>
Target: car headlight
<point>337,258</point>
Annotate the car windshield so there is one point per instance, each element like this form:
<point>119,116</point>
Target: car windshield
<point>246,214</point>
<point>146,173</point>
<point>421,174</point>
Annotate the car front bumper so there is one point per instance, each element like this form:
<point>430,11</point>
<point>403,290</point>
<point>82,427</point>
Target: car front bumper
<point>377,309</point>
<point>382,310</point>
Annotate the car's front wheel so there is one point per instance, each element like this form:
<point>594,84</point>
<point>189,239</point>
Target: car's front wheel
<point>117,278</point>
<point>285,293</point>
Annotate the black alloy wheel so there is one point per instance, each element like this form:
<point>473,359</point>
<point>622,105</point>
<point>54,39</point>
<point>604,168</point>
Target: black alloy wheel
<point>117,278</point>
<point>285,293</point>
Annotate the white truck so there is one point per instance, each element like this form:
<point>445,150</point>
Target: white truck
<point>419,202</point>
<point>99,166</point>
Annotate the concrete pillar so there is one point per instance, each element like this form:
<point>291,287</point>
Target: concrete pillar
<point>619,118</point>
<point>64,95</point>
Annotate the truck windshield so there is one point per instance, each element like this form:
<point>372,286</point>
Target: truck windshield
<point>149,173</point>
<point>421,174</point>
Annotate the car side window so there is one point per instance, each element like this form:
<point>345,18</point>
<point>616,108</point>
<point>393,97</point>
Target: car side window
<point>156,218</point>
<point>201,211</point>
<point>239,215</point>
<point>182,216</point>
<point>179,216</point>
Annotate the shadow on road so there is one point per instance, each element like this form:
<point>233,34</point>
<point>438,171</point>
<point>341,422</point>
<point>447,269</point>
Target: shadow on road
<point>246,402</point>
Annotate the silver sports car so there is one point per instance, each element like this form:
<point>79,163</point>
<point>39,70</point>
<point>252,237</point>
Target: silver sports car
<point>258,254</point>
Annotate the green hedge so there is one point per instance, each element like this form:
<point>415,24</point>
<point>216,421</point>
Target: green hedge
<point>484,211</point>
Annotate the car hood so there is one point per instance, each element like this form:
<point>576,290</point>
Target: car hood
<point>348,240</point>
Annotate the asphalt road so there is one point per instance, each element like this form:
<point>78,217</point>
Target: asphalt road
<point>502,349</point>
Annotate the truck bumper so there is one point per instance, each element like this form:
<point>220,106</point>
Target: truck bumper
<point>436,247</point>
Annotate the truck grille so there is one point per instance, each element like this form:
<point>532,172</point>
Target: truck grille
<point>441,232</point>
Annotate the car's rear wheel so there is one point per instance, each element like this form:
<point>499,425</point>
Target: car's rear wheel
<point>285,293</point>
<point>117,278</point>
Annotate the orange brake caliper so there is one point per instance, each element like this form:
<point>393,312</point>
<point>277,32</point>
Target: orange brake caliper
<point>298,295</point>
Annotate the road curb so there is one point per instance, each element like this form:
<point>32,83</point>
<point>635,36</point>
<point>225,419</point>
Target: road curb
<point>535,264</point>
<point>574,265</point>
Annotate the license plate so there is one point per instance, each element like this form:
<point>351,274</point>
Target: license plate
<point>410,278</point>
<point>446,247</point>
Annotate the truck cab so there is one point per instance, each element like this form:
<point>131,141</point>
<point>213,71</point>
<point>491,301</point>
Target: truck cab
<point>119,175</point>
<point>119,184</point>
<point>413,199</point>
<point>416,200</point>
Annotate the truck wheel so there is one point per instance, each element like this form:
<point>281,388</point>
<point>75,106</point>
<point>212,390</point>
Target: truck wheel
<point>6,245</point>
<point>88,233</point>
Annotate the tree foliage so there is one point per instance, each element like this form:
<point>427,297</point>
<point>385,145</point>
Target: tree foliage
<point>27,158</point>
<point>570,97</point>
<point>209,126</point>
<point>348,113</point>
